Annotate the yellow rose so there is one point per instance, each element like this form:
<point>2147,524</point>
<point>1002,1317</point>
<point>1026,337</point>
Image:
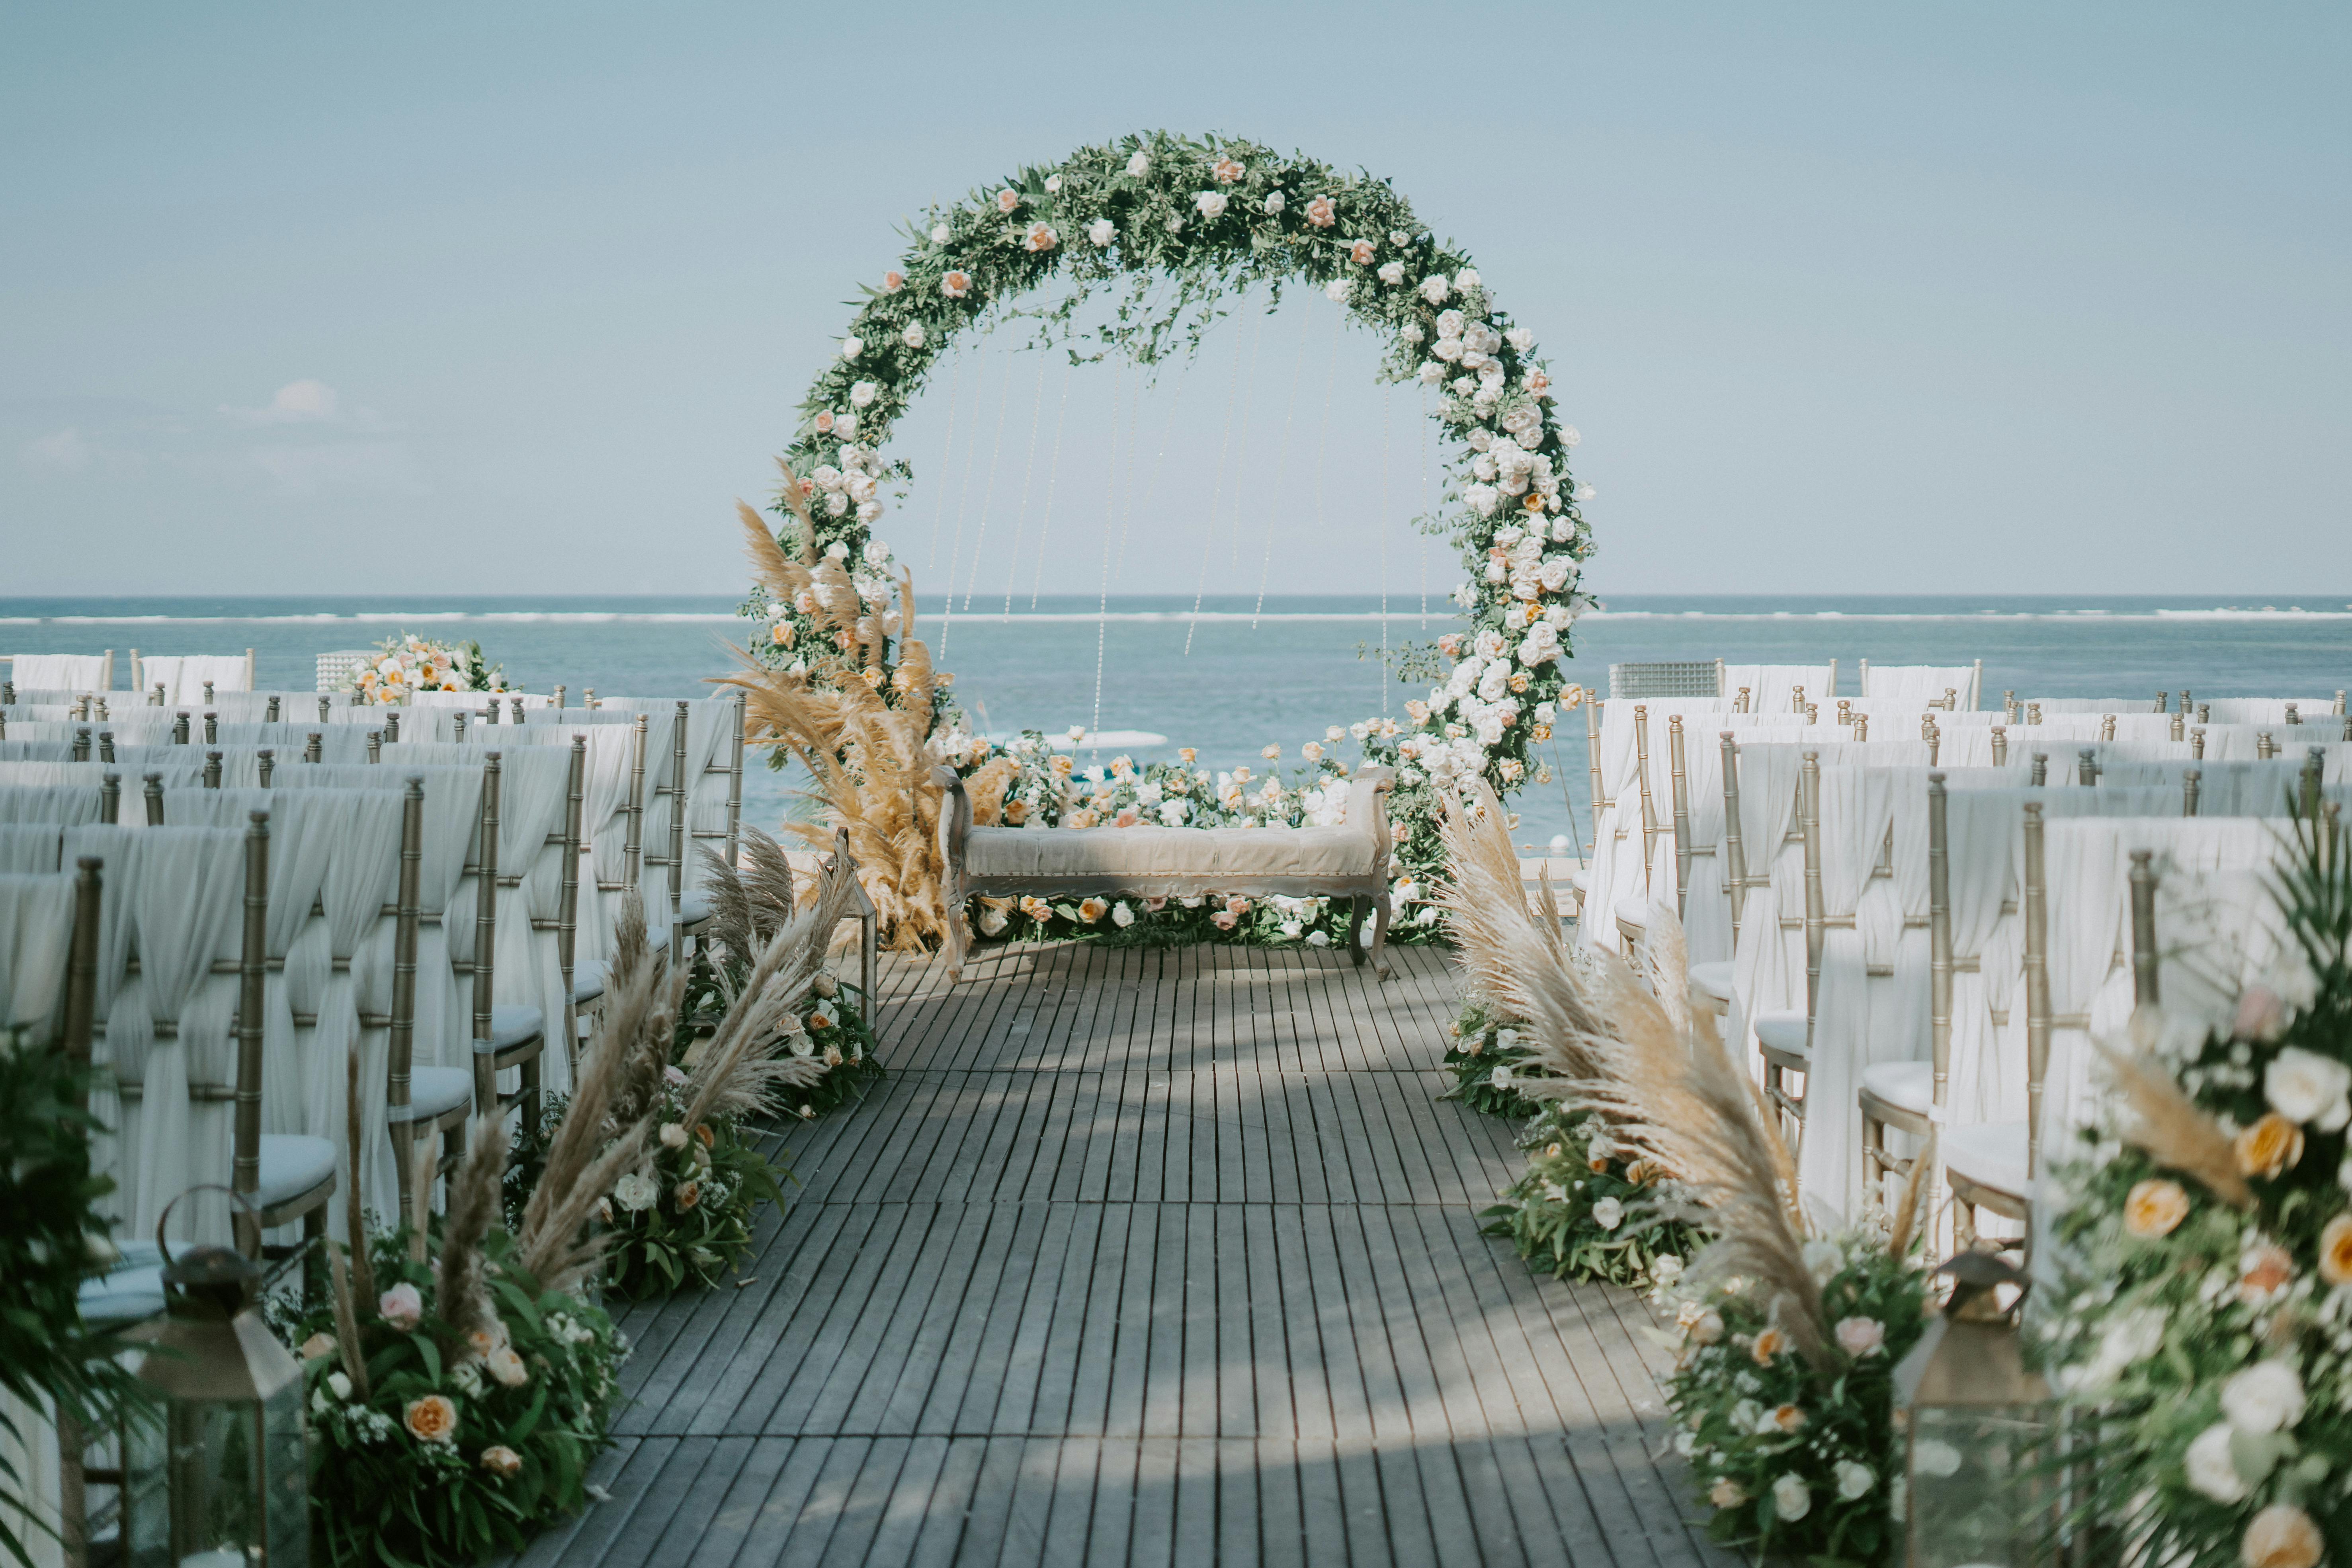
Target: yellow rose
<point>2154,1208</point>
<point>2270,1146</point>
<point>2336,1250</point>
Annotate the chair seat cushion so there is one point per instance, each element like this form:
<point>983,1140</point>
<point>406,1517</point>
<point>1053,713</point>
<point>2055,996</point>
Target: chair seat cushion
<point>1989,1155</point>
<point>1633,914</point>
<point>434,1092</point>
<point>1712,979</point>
<point>291,1165</point>
<point>512,1025</point>
<point>587,980</point>
<point>1580,879</point>
<point>1909,1086</point>
<point>1204,856</point>
<point>1783,1029</point>
<point>131,1290</point>
<point>694,907</point>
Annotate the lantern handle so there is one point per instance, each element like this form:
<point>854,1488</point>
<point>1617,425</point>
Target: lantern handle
<point>244,1199</point>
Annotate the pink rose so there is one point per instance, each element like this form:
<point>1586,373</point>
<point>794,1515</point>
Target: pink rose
<point>1007,200</point>
<point>2262,1015</point>
<point>1237,905</point>
<point>824,423</point>
<point>1861,1337</point>
<point>1320,212</point>
<point>400,1307</point>
<point>1224,919</point>
<point>893,282</point>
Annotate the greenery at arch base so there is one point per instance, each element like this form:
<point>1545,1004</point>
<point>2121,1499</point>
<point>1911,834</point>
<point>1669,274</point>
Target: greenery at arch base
<point>1182,227</point>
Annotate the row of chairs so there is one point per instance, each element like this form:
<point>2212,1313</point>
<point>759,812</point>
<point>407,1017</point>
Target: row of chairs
<point>1791,852</point>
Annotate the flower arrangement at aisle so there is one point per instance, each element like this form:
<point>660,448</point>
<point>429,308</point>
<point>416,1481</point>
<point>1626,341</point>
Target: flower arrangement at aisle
<point>2202,1312</point>
<point>1814,1324</point>
<point>1219,215</point>
<point>458,1383</point>
<point>407,664</point>
<point>671,1106</point>
<point>53,1237</point>
<point>1792,1445</point>
<point>1489,1064</point>
<point>1585,1210</point>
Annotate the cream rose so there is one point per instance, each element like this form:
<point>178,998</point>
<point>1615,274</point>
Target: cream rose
<point>401,1307</point>
<point>431,1419</point>
<point>1791,1498</point>
<point>2265,1398</point>
<point>2304,1086</point>
<point>1040,237</point>
<point>1102,231</point>
<point>2281,1536</point>
<point>2209,1468</point>
<point>1210,204</point>
<point>1861,1337</point>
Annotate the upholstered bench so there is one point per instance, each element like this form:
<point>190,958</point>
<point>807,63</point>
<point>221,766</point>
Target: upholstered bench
<point>1349,861</point>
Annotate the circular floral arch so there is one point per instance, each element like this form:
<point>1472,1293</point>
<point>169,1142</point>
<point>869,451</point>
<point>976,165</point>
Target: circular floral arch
<point>1215,217</point>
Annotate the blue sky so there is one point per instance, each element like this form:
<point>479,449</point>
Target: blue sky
<point>1843,297</point>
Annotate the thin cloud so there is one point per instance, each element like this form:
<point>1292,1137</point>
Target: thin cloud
<point>66,449</point>
<point>304,402</point>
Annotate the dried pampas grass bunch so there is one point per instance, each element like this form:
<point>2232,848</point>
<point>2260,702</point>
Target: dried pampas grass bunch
<point>864,741</point>
<point>1631,1050</point>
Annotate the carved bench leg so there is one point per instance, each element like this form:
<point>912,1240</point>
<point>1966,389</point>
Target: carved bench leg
<point>1356,929</point>
<point>1381,935</point>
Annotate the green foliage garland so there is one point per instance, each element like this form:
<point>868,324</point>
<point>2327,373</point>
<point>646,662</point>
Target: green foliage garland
<point>1488,1063</point>
<point>1582,1211</point>
<point>1209,218</point>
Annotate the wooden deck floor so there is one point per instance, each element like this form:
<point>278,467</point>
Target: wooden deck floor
<point>1151,1256</point>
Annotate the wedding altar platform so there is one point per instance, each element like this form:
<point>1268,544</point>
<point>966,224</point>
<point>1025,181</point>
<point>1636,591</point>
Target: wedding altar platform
<point>1152,1256</point>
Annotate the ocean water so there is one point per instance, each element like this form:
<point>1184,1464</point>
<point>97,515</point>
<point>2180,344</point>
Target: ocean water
<point>1244,673</point>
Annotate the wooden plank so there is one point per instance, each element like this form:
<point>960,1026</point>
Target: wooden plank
<point>582,1537</point>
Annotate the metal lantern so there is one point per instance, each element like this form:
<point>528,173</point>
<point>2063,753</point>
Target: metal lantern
<point>214,1476</point>
<point>1973,1419</point>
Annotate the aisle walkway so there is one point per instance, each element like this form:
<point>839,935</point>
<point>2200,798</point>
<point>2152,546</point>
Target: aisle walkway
<point>1151,1256</point>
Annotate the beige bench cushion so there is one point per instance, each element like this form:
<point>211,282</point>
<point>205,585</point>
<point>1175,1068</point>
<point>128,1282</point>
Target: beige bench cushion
<point>1186,858</point>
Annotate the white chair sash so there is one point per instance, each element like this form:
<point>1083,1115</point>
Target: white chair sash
<point>36,933</point>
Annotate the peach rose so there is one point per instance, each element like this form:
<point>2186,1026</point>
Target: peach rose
<point>1237,905</point>
<point>1769,1343</point>
<point>1015,812</point>
<point>1360,253</point>
<point>501,1461</point>
<point>1040,237</point>
<point>1007,200</point>
<point>824,423</point>
<point>1596,1164</point>
<point>956,284</point>
<point>1726,1493</point>
<point>702,1130</point>
<point>1092,909</point>
<point>2264,1271</point>
<point>1788,1418</point>
<point>1228,170</point>
<point>2336,1250</point>
<point>431,1419</point>
<point>1320,212</point>
<point>2281,1536</point>
<point>1127,817</point>
<point>2270,1146</point>
<point>892,281</point>
<point>1224,919</point>
<point>508,1367</point>
<point>688,1194</point>
<point>317,1347</point>
<point>2154,1208</point>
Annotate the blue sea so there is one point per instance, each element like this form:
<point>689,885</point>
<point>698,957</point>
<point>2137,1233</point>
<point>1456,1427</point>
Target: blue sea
<point>1241,673</point>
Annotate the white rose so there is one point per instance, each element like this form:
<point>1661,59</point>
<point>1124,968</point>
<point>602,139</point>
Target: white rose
<point>939,233</point>
<point>1520,337</point>
<point>2305,1087</point>
<point>1139,166</point>
<point>635,1191</point>
<point>1391,273</point>
<point>1467,279</point>
<point>1173,813</point>
<point>1122,915</point>
<point>860,486</point>
<point>2209,1469</point>
<point>1431,372</point>
<point>1852,1478</point>
<point>1501,1077</point>
<point>1790,1501</point>
<point>1273,203</point>
<point>1435,289</point>
<point>1102,231</point>
<point>852,347</point>
<point>1936,1457</point>
<point>674,1135</point>
<point>835,504</point>
<point>1053,184</point>
<point>2265,1398</point>
<point>1450,324</point>
<point>1339,288</point>
<point>913,336</point>
<point>837,550</point>
<point>1481,498</point>
<point>846,426</point>
<point>861,394</point>
<point>876,552</point>
<point>339,1385</point>
<point>1319,938</point>
<point>1569,435</point>
<point>1447,348</point>
<point>1608,1214</point>
<point>1823,1260</point>
<point>992,921</point>
<point>870,512</point>
<point>1211,204</point>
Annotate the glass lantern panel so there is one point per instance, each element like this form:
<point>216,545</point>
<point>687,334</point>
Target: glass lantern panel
<point>1974,1500</point>
<point>217,1484</point>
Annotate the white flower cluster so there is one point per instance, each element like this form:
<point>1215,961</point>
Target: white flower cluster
<point>854,484</point>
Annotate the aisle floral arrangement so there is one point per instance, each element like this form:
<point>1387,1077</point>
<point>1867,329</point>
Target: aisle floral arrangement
<point>406,663</point>
<point>1586,1209</point>
<point>2202,1316</point>
<point>1786,1339</point>
<point>1216,215</point>
<point>1490,1062</point>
